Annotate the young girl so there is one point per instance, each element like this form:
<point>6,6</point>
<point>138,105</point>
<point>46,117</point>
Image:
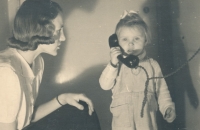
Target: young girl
<point>128,84</point>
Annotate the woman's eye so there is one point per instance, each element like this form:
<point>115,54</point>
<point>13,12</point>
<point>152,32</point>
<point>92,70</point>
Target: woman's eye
<point>58,32</point>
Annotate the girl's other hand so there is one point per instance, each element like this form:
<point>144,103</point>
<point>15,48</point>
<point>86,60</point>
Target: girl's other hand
<point>114,52</point>
<point>170,115</point>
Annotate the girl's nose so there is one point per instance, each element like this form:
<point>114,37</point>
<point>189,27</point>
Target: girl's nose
<point>131,43</point>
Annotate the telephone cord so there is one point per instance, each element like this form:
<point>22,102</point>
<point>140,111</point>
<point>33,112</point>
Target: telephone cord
<point>168,75</point>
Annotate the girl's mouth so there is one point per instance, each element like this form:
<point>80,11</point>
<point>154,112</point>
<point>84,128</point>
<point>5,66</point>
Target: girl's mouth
<point>133,52</point>
<point>130,51</point>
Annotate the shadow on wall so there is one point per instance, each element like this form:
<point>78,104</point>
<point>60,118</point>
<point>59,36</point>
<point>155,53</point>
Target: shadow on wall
<point>149,9</point>
<point>171,45</point>
<point>4,26</point>
<point>69,5</point>
<point>183,81</point>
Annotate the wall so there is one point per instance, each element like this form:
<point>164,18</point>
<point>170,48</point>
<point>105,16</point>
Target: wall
<point>186,32</point>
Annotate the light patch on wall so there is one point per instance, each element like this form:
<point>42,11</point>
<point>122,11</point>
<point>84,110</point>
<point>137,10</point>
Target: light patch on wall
<point>66,75</point>
<point>60,78</point>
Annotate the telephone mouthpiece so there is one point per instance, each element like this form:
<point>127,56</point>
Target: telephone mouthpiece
<point>130,61</point>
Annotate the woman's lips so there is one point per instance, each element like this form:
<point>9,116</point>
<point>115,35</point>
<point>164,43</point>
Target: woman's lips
<point>58,47</point>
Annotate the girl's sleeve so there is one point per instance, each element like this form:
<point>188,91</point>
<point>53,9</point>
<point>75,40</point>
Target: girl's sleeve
<point>10,95</point>
<point>108,76</point>
<point>163,94</point>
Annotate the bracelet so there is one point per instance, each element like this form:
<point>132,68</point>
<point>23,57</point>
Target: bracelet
<point>59,101</point>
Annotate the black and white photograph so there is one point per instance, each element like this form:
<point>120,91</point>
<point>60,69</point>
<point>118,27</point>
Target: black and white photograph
<point>99,65</point>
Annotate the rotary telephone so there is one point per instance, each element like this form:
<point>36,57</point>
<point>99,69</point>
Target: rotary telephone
<point>130,61</point>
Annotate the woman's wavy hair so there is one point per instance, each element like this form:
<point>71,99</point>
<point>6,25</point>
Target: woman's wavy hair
<point>134,20</point>
<point>33,24</point>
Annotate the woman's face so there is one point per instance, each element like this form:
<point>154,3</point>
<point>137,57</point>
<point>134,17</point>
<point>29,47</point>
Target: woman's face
<point>58,36</point>
<point>131,40</point>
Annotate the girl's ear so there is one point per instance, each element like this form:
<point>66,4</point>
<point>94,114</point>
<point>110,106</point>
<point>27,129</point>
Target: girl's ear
<point>147,39</point>
<point>146,42</point>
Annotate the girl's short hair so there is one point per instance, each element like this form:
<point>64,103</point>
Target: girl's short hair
<point>134,20</point>
<point>33,24</point>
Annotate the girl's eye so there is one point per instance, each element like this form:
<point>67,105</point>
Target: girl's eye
<point>124,39</point>
<point>137,38</point>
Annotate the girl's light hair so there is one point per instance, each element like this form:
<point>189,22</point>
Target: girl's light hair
<point>133,20</point>
<point>33,24</point>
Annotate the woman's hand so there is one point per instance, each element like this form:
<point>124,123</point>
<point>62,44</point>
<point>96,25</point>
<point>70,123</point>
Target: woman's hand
<point>170,115</point>
<point>73,99</point>
<point>114,52</point>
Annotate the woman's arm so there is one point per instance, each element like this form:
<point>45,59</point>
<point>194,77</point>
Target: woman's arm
<point>108,77</point>
<point>8,126</point>
<point>10,96</point>
<point>66,98</point>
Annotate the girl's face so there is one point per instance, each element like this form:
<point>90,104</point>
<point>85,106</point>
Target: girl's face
<point>58,36</point>
<point>131,40</point>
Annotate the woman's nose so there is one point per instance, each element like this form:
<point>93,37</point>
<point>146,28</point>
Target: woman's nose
<point>62,37</point>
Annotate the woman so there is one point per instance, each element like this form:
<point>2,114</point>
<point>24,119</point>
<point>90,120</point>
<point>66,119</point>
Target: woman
<point>38,28</point>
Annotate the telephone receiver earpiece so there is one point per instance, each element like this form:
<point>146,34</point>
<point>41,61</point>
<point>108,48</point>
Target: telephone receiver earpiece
<point>130,61</point>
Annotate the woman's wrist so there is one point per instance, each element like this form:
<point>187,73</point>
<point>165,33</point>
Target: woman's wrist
<point>60,102</point>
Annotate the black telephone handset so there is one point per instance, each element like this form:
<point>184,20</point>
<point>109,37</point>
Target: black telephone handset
<point>130,61</point>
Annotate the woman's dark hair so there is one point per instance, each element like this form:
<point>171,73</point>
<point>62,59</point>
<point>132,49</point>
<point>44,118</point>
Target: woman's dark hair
<point>33,24</point>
